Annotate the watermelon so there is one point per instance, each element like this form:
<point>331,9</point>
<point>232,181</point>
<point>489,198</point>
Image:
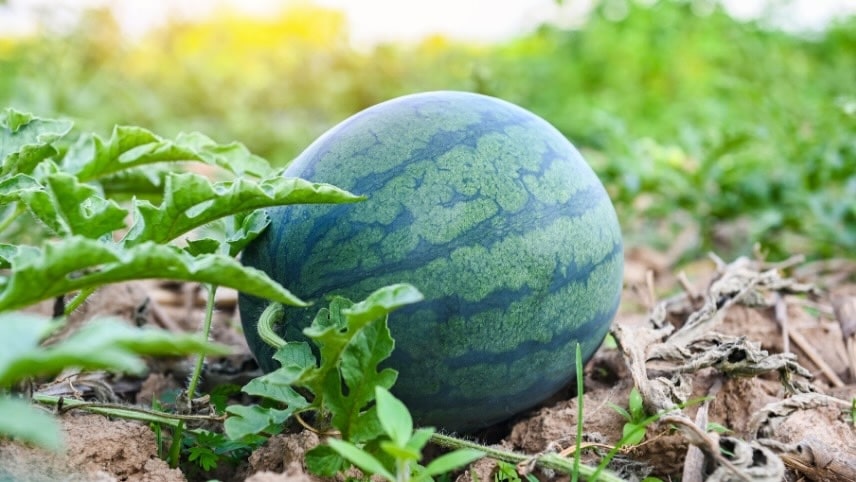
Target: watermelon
<point>491,213</point>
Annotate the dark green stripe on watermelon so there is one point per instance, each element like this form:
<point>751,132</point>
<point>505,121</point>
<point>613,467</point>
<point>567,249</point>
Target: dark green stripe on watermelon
<point>486,209</point>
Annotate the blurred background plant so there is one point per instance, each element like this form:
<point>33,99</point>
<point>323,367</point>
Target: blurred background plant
<point>732,130</point>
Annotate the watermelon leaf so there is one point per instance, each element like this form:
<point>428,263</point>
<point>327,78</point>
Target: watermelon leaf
<point>22,421</point>
<point>10,251</point>
<point>25,141</point>
<point>359,369</point>
<point>76,262</point>
<point>276,386</point>
<point>102,344</point>
<point>144,182</point>
<point>247,420</point>
<point>352,353</point>
<point>296,358</point>
<point>75,193</point>
<point>229,235</point>
<point>352,340</point>
<point>381,303</point>
<point>191,201</point>
<point>91,157</point>
<point>323,461</point>
<point>12,187</point>
<point>70,207</point>
<point>26,330</point>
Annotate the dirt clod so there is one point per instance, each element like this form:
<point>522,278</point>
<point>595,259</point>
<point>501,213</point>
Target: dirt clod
<point>97,449</point>
<point>284,454</point>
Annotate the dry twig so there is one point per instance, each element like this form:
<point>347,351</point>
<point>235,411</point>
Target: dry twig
<point>844,308</point>
<point>694,347</point>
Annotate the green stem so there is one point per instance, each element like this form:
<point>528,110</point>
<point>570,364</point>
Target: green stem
<point>122,411</point>
<point>271,316</point>
<point>175,446</point>
<point>402,471</point>
<point>157,429</point>
<point>580,393</point>
<point>206,333</point>
<point>78,300</point>
<point>548,461</point>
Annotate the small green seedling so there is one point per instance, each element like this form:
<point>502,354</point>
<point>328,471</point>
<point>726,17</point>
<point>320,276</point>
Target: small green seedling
<point>718,428</point>
<point>507,472</point>
<point>637,421</point>
<point>402,446</point>
<point>634,429</point>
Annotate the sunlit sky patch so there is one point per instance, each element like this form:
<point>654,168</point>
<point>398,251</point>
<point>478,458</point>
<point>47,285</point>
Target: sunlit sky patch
<point>373,21</point>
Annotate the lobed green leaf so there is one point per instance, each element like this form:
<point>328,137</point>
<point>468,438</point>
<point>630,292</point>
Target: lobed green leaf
<point>22,421</point>
<point>102,344</point>
<point>69,207</point>
<point>352,341</point>
<point>277,386</point>
<point>381,303</point>
<point>22,252</point>
<point>247,420</point>
<point>359,368</point>
<point>322,460</point>
<point>12,187</point>
<point>128,147</point>
<point>351,355</point>
<point>25,141</point>
<point>351,346</point>
<point>295,358</point>
<point>75,263</point>
<point>19,333</point>
<point>144,182</point>
<point>229,235</point>
<point>204,457</point>
<point>191,201</point>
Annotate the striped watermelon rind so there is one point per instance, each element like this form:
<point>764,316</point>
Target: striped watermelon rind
<point>491,213</point>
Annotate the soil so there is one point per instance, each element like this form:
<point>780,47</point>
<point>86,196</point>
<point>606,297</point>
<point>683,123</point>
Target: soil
<point>751,367</point>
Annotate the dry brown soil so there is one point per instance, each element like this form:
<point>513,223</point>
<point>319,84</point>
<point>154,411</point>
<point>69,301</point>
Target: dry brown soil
<point>764,350</point>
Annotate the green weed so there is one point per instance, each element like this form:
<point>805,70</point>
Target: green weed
<point>748,140</point>
<point>637,420</point>
<point>402,447</point>
<point>80,192</point>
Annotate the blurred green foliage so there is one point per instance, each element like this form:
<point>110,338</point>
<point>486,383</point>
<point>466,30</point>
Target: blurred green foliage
<point>695,121</point>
